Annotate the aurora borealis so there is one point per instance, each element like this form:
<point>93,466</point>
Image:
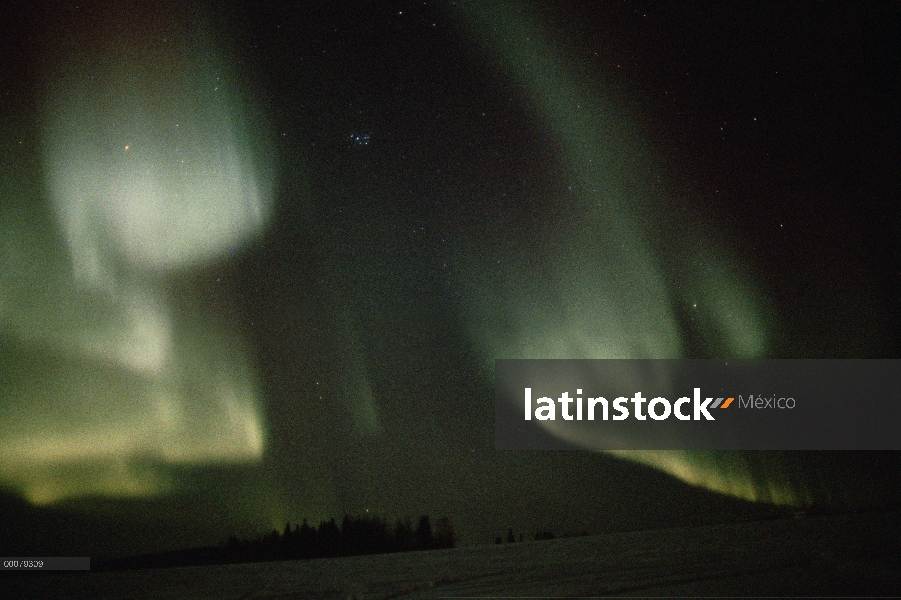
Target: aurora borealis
<point>212,288</point>
<point>148,173</point>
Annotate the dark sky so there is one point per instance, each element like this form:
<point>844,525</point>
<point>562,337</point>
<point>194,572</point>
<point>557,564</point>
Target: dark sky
<point>259,259</point>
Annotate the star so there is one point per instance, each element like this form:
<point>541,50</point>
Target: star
<point>360,139</point>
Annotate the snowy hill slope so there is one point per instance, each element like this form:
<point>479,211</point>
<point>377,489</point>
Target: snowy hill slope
<point>824,555</point>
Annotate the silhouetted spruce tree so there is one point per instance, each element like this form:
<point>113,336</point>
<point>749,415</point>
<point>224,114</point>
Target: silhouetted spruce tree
<point>444,534</point>
<point>365,535</point>
<point>424,538</point>
<point>510,536</point>
<point>403,536</point>
<point>329,538</point>
<point>348,536</point>
<point>306,540</point>
<point>295,540</point>
<point>379,536</point>
<point>272,538</point>
<point>286,535</point>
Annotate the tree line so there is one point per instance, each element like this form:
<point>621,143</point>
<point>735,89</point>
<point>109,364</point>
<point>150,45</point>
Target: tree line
<point>355,536</point>
<point>539,535</point>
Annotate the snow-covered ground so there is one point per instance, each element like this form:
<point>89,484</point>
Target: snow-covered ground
<point>847,555</point>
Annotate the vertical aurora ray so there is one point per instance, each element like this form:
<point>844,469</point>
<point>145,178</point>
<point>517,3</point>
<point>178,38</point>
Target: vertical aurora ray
<point>609,289</point>
<point>111,369</point>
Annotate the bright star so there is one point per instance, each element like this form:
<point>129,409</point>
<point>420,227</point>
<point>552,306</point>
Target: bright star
<point>360,139</point>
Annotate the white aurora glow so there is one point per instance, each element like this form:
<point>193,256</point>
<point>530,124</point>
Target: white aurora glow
<point>151,171</point>
<point>608,289</point>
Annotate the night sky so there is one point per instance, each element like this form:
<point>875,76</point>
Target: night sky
<point>258,259</point>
